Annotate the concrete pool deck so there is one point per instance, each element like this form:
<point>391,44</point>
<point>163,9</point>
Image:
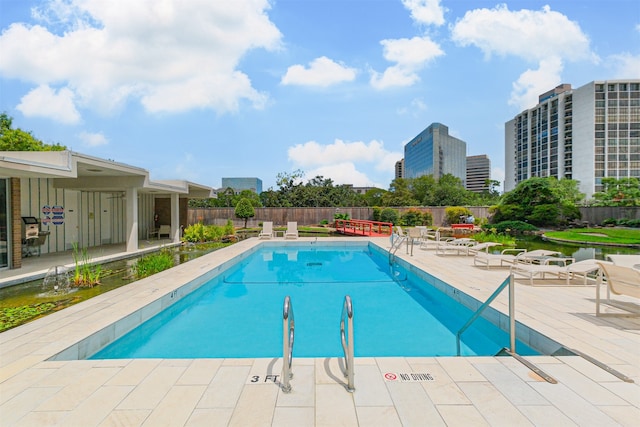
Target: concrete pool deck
<point>241,392</point>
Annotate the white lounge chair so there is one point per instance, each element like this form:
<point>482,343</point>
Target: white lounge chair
<point>507,256</point>
<point>619,280</point>
<point>537,270</point>
<point>267,230</point>
<point>455,246</point>
<point>584,268</point>
<point>164,229</point>
<point>292,230</point>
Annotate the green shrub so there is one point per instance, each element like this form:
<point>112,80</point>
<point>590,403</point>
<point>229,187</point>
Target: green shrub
<point>507,213</point>
<point>199,233</point>
<point>389,215</point>
<point>544,215</point>
<point>453,214</point>
<point>376,213</point>
<point>510,227</point>
<point>153,263</point>
<point>610,221</point>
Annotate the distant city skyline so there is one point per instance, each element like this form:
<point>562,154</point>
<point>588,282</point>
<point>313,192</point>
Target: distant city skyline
<point>205,90</point>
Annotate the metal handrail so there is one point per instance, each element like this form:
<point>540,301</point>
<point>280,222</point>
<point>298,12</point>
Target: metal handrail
<point>347,340</point>
<point>288,325</point>
<point>395,245</point>
<point>512,321</point>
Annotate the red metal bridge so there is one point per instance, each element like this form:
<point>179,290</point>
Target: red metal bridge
<point>358,227</point>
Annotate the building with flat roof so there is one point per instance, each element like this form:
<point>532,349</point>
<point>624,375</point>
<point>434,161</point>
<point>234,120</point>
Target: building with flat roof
<point>478,172</point>
<point>584,134</point>
<point>239,184</point>
<point>68,199</point>
<point>399,172</point>
<point>434,152</point>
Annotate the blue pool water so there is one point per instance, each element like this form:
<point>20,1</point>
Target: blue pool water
<point>239,313</point>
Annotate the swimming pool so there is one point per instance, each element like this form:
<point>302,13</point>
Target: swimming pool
<point>238,313</point>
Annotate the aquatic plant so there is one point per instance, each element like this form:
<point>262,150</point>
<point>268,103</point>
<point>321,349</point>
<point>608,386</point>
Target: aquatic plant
<point>85,274</point>
<point>154,263</point>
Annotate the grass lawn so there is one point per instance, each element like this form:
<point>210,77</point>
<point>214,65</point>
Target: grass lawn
<point>604,236</point>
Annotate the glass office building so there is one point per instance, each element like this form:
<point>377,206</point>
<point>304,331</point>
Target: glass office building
<point>434,152</point>
<point>239,184</point>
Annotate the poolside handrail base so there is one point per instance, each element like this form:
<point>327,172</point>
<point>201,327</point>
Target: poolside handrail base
<point>548,378</point>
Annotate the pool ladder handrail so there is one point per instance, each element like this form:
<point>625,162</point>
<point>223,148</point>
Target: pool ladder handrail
<point>288,326</point>
<point>395,244</point>
<point>347,341</point>
<point>509,281</point>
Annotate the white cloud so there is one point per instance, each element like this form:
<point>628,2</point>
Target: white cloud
<point>531,35</point>
<point>532,83</point>
<point>410,56</point>
<point>321,72</point>
<point>626,66</point>
<point>44,101</point>
<point>342,161</point>
<point>545,37</point>
<point>344,173</point>
<point>416,106</point>
<point>93,139</point>
<point>425,11</point>
<point>171,55</point>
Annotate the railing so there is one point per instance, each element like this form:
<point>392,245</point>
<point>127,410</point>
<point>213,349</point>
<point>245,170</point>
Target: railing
<point>288,325</point>
<point>512,321</point>
<point>360,227</point>
<point>512,327</point>
<point>396,242</point>
<point>347,340</point>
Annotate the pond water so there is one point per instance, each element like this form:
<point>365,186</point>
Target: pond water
<point>42,301</point>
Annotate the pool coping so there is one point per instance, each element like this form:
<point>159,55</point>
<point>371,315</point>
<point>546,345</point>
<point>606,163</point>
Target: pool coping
<point>587,395</point>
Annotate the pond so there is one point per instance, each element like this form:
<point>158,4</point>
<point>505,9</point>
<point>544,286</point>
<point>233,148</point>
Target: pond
<point>28,301</point>
<point>577,251</point>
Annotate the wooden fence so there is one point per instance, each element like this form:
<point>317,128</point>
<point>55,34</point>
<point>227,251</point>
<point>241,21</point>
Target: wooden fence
<point>313,216</point>
<point>307,216</point>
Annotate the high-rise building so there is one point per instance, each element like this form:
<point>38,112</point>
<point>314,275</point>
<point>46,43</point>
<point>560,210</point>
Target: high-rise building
<point>239,184</point>
<point>434,152</point>
<point>584,134</point>
<point>400,169</point>
<point>478,172</point>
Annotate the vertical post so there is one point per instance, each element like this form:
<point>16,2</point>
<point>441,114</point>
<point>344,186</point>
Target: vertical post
<point>512,314</point>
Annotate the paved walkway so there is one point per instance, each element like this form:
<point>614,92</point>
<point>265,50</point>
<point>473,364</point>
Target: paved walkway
<point>451,391</point>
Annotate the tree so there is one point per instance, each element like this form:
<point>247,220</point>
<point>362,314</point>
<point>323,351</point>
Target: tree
<point>19,140</point>
<point>244,210</point>
<point>540,201</point>
<point>619,192</point>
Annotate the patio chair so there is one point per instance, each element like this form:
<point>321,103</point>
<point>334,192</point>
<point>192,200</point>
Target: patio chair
<point>292,230</point>
<point>537,270</point>
<point>267,230</point>
<point>164,230</point>
<point>507,256</point>
<point>584,268</point>
<point>620,281</point>
<point>455,246</point>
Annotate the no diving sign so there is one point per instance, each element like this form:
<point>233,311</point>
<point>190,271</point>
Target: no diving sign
<point>410,377</point>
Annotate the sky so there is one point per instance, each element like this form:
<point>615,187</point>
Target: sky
<point>199,90</point>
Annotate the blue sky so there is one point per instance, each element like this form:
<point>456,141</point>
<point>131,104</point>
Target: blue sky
<point>201,89</point>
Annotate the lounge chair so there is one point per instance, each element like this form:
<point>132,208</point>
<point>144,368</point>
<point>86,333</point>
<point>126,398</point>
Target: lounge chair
<point>164,229</point>
<point>507,256</point>
<point>455,246</point>
<point>584,268</point>
<point>540,270</point>
<point>620,281</point>
<point>292,230</point>
<point>267,230</point>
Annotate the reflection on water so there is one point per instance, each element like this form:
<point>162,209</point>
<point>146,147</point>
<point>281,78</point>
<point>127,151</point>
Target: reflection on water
<point>579,252</point>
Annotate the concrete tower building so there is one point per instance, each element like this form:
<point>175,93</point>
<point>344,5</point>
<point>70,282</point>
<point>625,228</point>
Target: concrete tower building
<point>585,134</point>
